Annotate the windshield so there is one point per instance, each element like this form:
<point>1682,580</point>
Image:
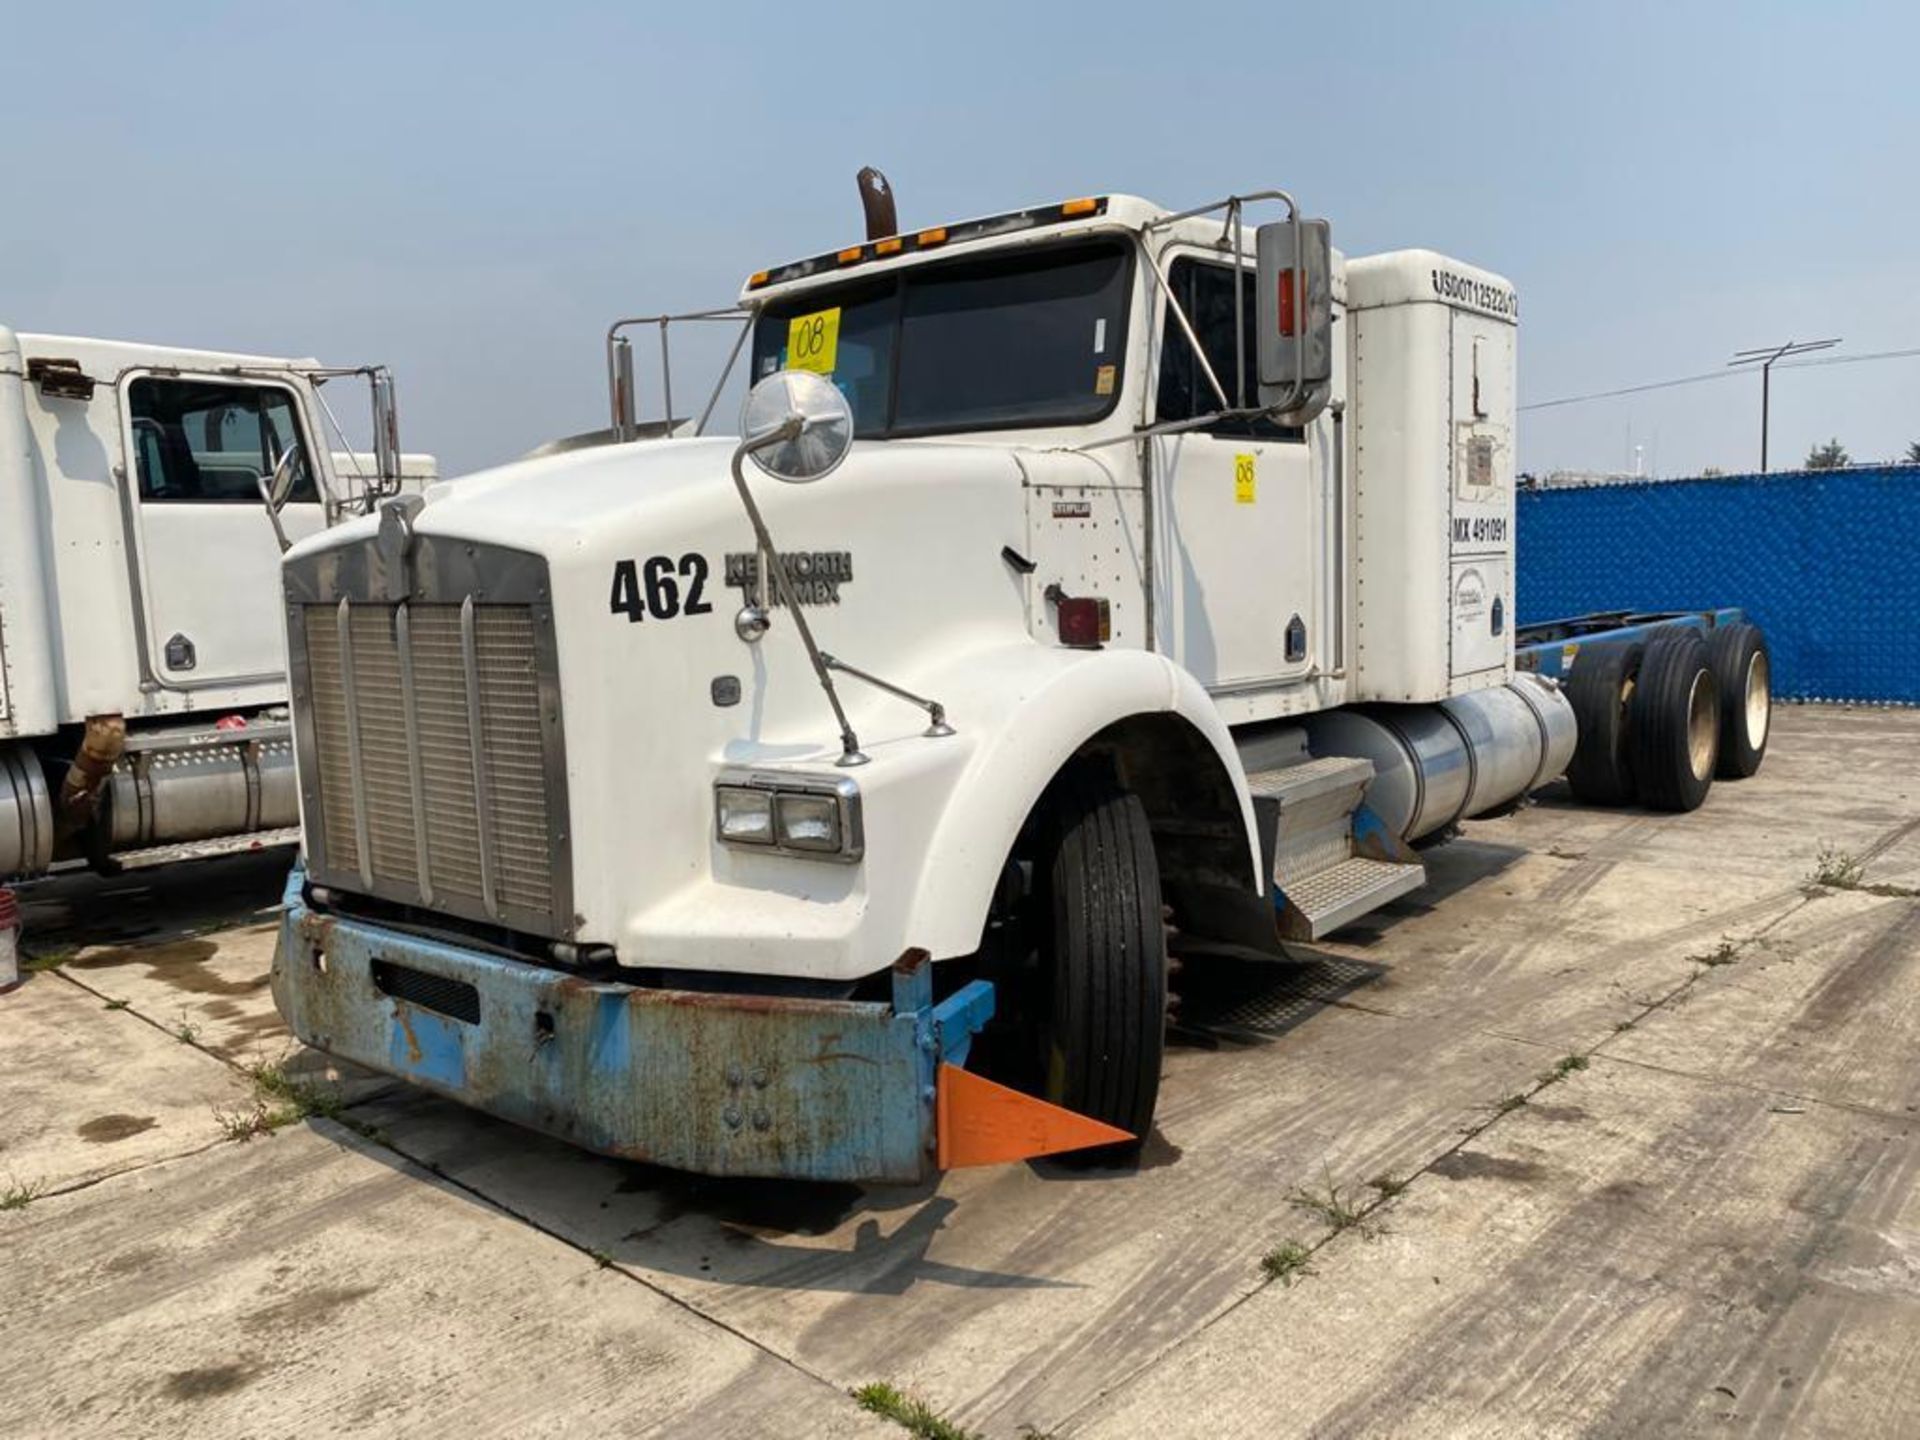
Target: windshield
<point>1034,337</point>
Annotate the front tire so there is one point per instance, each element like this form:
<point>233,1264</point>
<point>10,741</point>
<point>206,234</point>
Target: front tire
<point>1103,960</point>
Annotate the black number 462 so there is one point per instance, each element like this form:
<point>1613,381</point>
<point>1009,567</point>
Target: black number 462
<point>652,587</point>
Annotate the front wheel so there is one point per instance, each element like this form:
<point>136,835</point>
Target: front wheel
<point>1102,969</point>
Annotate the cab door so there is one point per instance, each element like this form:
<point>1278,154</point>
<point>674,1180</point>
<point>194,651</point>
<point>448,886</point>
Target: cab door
<point>1234,552</point>
<point>208,560</point>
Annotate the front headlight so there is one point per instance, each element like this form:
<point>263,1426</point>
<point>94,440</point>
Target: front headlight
<point>795,814</point>
<point>808,822</point>
<point>745,816</point>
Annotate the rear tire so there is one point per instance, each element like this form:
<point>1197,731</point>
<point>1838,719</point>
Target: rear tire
<point>1599,688</point>
<point>1673,722</point>
<point>1743,669</point>
<point>1103,961</point>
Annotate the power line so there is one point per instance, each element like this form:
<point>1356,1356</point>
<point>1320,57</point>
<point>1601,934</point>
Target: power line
<point>1716,375</point>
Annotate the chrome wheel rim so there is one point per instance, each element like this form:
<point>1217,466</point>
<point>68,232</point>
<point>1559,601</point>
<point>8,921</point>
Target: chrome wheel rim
<point>1703,726</point>
<point>1759,700</point>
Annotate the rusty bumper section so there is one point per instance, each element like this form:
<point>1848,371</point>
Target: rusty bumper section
<point>721,1084</point>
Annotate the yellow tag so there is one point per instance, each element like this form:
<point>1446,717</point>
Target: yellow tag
<point>1103,380</point>
<point>1567,652</point>
<point>1243,480</point>
<point>813,341</point>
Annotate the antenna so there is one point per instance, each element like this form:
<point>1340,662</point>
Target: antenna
<point>1766,355</point>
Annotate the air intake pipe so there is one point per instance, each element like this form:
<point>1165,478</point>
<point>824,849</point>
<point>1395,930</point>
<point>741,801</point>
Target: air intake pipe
<point>1470,755</point>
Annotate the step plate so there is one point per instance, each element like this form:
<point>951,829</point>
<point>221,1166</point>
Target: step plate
<point>1293,784</point>
<point>1342,893</point>
<point>207,849</point>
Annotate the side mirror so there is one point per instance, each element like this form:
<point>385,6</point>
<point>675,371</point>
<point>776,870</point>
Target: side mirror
<point>796,426</point>
<point>1294,311</point>
<point>277,488</point>
<point>386,432</point>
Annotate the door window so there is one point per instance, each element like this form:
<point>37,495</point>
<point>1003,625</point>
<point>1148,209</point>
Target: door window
<point>208,442</point>
<point>1205,293</point>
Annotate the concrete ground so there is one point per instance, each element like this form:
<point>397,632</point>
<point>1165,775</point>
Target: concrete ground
<point>1614,1130</point>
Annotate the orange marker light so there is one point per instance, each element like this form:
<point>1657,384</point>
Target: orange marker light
<point>935,236</point>
<point>981,1123</point>
<point>757,279</point>
<point>850,255</point>
<point>890,246</point>
<point>1079,207</point>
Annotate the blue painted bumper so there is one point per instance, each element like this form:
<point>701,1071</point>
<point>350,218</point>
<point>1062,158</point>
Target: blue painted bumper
<point>723,1084</point>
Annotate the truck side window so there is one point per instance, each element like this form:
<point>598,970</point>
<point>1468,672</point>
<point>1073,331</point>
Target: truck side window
<point>1205,292</point>
<point>207,442</point>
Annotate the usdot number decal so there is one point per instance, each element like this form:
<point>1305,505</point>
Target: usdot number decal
<point>652,587</point>
<point>813,341</point>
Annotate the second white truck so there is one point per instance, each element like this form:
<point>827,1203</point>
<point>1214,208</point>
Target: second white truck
<point>146,495</point>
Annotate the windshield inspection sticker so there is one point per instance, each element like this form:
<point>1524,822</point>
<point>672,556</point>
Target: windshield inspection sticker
<point>1103,379</point>
<point>813,341</point>
<point>1243,480</point>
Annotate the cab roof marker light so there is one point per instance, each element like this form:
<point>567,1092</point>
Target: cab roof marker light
<point>757,279</point>
<point>1010,223</point>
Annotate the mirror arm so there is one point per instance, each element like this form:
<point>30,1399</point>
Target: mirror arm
<point>850,753</point>
<point>273,514</point>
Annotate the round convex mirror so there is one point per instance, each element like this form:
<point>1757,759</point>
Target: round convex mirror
<point>825,431</point>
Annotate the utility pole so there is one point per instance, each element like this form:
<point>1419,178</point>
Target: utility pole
<point>1766,355</point>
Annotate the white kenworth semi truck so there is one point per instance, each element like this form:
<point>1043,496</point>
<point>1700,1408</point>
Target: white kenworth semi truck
<point>146,495</point>
<point>1090,584</point>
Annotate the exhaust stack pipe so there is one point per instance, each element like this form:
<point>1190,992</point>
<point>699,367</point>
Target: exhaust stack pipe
<point>876,198</point>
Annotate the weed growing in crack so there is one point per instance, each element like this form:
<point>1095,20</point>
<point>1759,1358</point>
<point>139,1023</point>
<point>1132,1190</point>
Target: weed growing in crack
<point>294,1099</point>
<point>1725,953</point>
<point>915,1416</point>
<point>1836,870</point>
<point>18,1194</point>
<point>241,1123</point>
<point>279,1100</point>
<point>1286,1262</point>
<point>1338,1210</point>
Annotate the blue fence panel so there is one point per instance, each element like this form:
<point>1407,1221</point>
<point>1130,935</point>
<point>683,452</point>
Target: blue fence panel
<point>1827,562</point>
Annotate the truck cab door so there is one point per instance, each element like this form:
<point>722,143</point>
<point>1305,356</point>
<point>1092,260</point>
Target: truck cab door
<point>207,562</point>
<point>1234,506</point>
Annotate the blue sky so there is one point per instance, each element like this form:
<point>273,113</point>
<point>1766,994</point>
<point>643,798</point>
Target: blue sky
<point>470,191</point>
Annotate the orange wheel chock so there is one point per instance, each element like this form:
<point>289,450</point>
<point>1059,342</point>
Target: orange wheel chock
<point>980,1123</point>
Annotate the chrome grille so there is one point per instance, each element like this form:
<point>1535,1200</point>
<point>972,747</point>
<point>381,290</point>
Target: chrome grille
<point>431,749</point>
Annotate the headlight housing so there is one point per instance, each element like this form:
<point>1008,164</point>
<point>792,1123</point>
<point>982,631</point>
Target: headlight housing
<point>817,817</point>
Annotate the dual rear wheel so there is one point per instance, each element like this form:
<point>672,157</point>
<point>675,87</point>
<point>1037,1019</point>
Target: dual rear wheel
<point>1660,719</point>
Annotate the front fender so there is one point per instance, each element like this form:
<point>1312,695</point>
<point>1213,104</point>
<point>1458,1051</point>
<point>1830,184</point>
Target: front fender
<point>1032,708</point>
